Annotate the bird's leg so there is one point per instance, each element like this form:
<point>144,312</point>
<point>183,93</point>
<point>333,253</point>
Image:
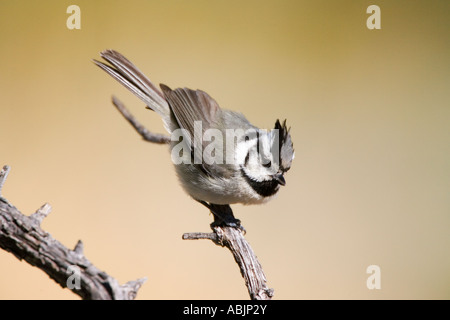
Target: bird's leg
<point>223,215</point>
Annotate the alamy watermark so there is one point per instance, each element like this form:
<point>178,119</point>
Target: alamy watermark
<point>73,21</point>
<point>228,146</point>
<point>74,279</point>
<point>374,280</point>
<point>374,20</point>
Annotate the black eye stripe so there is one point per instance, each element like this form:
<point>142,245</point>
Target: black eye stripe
<point>257,142</point>
<point>246,158</point>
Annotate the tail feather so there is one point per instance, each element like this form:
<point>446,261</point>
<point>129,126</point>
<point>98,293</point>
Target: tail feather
<point>134,80</point>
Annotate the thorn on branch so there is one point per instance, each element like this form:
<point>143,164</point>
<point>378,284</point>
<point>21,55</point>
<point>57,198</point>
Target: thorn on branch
<point>41,213</point>
<point>3,175</point>
<point>79,247</point>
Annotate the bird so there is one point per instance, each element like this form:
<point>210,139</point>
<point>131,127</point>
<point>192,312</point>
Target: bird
<point>244,164</point>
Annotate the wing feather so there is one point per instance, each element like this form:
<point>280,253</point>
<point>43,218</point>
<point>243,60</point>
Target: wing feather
<point>189,106</point>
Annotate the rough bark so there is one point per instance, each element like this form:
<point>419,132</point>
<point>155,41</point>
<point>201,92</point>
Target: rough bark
<point>24,238</point>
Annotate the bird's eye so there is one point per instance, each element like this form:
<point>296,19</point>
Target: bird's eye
<point>268,164</point>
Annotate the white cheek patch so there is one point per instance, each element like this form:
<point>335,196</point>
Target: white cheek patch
<point>269,153</point>
<point>259,156</point>
<point>244,149</point>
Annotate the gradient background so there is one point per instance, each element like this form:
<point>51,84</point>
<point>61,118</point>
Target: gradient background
<point>370,117</point>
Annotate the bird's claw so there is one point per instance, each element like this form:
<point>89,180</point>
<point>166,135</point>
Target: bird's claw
<point>235,223</point>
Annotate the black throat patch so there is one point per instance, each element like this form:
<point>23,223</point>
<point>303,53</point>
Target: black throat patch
<point>263,188</point>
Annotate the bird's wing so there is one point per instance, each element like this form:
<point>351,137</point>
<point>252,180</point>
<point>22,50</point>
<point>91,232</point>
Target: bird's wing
<point>194,107</point>
<point>190,106</point>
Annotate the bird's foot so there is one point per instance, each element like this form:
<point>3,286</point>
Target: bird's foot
<point>231,223</point>
<point>223,216</point>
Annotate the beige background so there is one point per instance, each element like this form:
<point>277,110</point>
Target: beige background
<point>369,112</point>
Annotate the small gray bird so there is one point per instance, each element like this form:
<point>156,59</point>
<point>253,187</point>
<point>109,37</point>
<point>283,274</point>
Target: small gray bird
<point>220,157</point>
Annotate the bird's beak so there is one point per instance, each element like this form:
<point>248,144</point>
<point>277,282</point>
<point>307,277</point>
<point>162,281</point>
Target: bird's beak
<point>280,178</point>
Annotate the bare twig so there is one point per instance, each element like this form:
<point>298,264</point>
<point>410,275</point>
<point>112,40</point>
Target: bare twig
<point>201,235</point>
<point>23,237</point>
<point>251,269</point>
<point>147,135</point>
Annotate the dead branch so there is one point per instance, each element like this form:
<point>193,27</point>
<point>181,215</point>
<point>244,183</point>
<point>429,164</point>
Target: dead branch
<point>251,269</point>
<point>146,135</point>
<point>24,238</point>
<point>229,237</point>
